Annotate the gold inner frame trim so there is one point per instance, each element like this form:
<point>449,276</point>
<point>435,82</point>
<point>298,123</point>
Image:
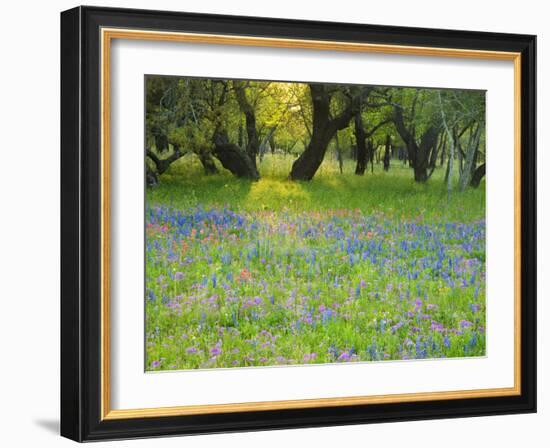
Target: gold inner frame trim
<point>107,35</point>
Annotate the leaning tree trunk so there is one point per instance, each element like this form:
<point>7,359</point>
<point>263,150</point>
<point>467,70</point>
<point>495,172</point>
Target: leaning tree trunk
<point>267,140</point>
<point>161,164</point>
<point>233,158</point>
<point>423,152</point>
<point>479,173</point>
<point>305,166</point>
<point>419,153</point>
<point>323,129</point>
<point>434,155</point>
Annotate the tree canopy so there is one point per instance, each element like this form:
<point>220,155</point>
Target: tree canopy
<point>234,124</point>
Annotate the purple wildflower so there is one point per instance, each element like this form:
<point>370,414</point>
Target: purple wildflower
<point>474,307</point>
<point>397,326</point>
<point>344,357</point>
<point>216,350</point>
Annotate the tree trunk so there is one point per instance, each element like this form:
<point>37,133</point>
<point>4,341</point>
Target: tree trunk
<point>151,176</point>
<point>267,140</point>
<point>479,173</point>
<point>272,143</point>
<point>420,173</point>
<point>469,159</point>
<point>162,164</point>
<point>419,154</point>
<point>365,151</point>
<point>434,155</point>
<point>360,137</point>
<point>449,173</point>
<point>443,150</point>
<point>208,163</point>
<point>370,151</point>
<point>305,166</point>
<point>240,136</point>
<point>161,143</point>
<point>387,155</point>
<point>459,152</point>
<point>323,129</point>
<point>160,139</point>
<point>233,158</point>
<point>339,154</point>
<point>253,142</point>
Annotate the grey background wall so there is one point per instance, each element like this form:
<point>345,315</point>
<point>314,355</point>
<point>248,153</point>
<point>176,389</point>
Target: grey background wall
<point>29,219</point>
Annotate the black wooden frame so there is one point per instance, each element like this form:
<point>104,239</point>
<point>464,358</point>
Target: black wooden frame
<point>80,224</point>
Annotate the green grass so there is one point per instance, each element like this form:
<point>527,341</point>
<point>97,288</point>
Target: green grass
<point>342,268</point>
<point>393,192</point>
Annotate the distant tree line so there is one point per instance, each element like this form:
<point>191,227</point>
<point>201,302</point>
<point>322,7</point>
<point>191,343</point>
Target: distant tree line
<point>239,122</point>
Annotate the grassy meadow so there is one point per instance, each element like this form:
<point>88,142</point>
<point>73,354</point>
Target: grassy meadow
<point>343,268</point>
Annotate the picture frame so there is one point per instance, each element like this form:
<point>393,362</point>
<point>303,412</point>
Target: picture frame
<point>86,209</point>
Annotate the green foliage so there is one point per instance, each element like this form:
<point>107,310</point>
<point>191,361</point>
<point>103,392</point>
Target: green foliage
<point>184,113</point>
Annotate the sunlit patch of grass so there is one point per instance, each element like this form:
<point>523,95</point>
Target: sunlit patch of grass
<point>276,194</point>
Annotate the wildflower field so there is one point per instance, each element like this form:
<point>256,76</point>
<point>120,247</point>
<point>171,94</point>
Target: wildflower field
<point>340,269</point>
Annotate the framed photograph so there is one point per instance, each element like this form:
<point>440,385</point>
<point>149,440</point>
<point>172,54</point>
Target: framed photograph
<point>276,224</point>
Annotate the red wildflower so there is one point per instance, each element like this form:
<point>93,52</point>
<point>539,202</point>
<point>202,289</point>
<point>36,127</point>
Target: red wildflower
<point>245,275</point>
